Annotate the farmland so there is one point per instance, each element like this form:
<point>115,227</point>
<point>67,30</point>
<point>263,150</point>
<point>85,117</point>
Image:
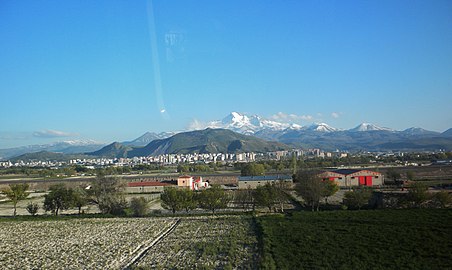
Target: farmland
<point>226,242</point>
<point>111,243</point>
<point>383,239</point>
<point>371,239</point>
<point>95,243</point>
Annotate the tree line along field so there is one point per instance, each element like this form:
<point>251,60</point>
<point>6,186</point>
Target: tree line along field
<point>372,239</point>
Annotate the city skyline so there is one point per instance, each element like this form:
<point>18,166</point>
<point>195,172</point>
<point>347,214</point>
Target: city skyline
<point>113,70</point>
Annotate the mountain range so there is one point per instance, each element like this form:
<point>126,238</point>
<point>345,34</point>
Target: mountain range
<point>363,137</point>
<point>254,124</point>
<point>64,147</point>
<point>199,141</point>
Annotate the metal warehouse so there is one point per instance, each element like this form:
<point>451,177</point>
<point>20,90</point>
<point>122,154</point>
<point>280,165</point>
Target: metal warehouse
<point>353,178</point>
<point>255,181</point>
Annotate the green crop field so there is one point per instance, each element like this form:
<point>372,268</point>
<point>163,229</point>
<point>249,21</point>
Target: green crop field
<point>383,239</point>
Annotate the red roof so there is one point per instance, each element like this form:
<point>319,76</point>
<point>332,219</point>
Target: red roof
<point>147,184</point>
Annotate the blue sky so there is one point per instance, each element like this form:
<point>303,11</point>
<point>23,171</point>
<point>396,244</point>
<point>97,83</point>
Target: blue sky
<point>112,70</point>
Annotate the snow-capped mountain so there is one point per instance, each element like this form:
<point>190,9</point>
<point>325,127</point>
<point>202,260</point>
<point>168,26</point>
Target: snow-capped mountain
<point>321,127</point>
<point>248,124</point>
<point>369,127</point>
<point>78,142</point>
<point>66,147</point>
<point>417,131</point>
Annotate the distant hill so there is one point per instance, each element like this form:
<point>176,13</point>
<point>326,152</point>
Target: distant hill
<point>66,147</point>
<point>207,141</point>
<point>148,137</point>
<point>447,133</point>
<point>46,156</point>
<point>372,140</point>
<point>416,131</point>
<point>114,150</point>
<point>200,141</point>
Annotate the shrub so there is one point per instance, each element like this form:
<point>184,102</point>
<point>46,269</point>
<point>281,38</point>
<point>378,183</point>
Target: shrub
<point>357,198</point>
<point>32,208</point>
<point>139,206</point>
<point>443,198</point>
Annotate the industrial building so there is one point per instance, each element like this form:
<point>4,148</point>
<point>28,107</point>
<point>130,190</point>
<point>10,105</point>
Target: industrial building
<point>353,177</point>
<point>255,181</point>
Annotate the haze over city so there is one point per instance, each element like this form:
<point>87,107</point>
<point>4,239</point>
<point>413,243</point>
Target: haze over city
<point>112,70</point>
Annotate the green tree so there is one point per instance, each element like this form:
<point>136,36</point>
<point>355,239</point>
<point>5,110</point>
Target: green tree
<point>107,193</point>
<point>281,187</point>
<point>16,193</point>
<point>280,167</point>
<point>418,194</point>
<point>357,198</point>
<point>32,208</point>
<point>171,199</point>
<point>394,176</point>
<point>253,169</point>
<point>310,187</point>
<point>329,189</point>
<point>139,206</point>
<point>410,175</point>
<point>183,168</point>
<point>244,198</point>
<point>59,198</point>
<point>443,198</point>
<point>266,196</point>
<point>293,163</point>
<point>213,198</point>
<point>187,199</point>
<point>79,198</point>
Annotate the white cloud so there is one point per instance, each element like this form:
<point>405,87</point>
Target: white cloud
<point>335,115</point>
<point>196,125</point>
<point>48,133</point>
<point>291,118</point>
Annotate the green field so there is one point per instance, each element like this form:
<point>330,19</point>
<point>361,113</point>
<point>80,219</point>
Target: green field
<point>384,239</point>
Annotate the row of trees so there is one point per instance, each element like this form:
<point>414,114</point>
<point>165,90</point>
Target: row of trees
<point>212,199</point>
<point>105,192</point>
<point>271,196</point>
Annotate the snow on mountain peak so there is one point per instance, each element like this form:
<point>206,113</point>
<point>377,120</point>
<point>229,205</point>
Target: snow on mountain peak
<point>369,127</point>
<point>249,124</point>
<point>295,127</point>
<point>80,142</point>
<point>321,127</point>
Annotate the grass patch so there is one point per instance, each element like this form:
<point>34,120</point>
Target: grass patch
<point>383,239</point>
